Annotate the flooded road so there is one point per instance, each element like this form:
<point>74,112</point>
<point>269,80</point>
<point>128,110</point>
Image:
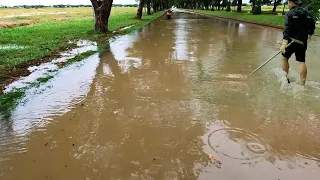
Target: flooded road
<point>165,98</point>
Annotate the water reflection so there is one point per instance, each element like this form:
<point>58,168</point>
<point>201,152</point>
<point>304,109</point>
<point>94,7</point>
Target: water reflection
<point>148,115</point>
<point>181,40</point>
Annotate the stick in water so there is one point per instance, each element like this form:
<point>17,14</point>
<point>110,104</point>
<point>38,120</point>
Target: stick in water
<point>292,41</point>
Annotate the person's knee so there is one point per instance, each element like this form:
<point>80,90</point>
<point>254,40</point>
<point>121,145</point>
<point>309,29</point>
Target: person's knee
<point>302,64</point>
<point>285,59</point>
<point>303,67</point>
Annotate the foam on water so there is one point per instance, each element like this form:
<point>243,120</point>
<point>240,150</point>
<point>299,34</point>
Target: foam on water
<point>294,88</point>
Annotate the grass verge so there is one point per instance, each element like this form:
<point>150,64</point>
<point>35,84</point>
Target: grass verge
<point>270,19</point>
<point>43,42</point>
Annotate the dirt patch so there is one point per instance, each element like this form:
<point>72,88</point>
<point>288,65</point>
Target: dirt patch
<point>8,24</point>
<point>61,19</point>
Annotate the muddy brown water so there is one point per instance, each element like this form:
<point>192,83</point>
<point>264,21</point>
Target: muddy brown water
<point>164,98</point>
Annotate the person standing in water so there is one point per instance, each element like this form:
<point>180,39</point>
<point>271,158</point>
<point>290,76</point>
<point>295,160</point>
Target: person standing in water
<point>299,24</point>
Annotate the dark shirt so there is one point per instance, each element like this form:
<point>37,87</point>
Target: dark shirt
<point>299,23</point>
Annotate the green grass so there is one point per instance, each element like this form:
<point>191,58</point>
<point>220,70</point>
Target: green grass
<point>263,18</point>
<point>80,57</point>
<point>42,39</point>
<point>9,100</point>
<point>44,79</point>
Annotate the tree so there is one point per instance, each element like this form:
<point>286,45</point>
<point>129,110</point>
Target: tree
<point>140,8</point>
<point>275,4</point>
<point>228,7</point>
<point>239,5</point>
<point>256,7</point>
<point>313,6</point>
<point>148,7</point>
<point>102,9</point>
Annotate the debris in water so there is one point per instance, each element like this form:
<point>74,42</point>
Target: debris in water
<point>72,144</point>
<point>46,144</point>
<point>66,166</point>
<point>191,140</point>
<point>211,157</point>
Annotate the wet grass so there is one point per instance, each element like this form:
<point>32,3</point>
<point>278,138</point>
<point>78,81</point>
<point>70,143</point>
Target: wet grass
<point>80,57</point>
<point>44,79</point>
<point>43,40</point>
<point>263,18</point>
<point>9,100</point>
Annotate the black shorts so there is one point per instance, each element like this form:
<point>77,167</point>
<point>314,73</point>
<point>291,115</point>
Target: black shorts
<point>298,50</point>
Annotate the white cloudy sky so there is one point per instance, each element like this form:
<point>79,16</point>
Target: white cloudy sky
<point>50,2</point>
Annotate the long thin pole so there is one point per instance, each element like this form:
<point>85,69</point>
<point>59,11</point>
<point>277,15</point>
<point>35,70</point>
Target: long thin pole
<point>265,63</point>
<point>293,40</point>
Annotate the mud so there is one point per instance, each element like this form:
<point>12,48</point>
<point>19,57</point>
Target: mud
<point>171,101</point>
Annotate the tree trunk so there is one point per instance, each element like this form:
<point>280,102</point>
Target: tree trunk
<point>253,5</point>
<point>228,7</point>
<point>148,7</point>
<point>219,5</point>
<point>239,5</point>
<point>154,6</point>
<point>101,10</point>
<point>275,4</point>
<point>140,8</point>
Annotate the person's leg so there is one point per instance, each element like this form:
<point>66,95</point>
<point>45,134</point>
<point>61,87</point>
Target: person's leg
<point>285,63</point>
<point>303,72</point>
<point>301,58</point>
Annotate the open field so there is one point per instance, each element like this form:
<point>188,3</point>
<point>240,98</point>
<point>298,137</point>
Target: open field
<point>19,17</point>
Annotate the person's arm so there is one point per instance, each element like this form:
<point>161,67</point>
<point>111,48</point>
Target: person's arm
<point>312,26</point>
<point>287,32</point>
<point>287,27</point>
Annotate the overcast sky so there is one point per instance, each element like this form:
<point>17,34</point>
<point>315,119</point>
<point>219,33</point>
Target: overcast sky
<point>50,2</point>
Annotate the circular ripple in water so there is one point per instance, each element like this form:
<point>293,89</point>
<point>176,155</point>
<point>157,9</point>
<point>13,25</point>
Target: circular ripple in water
<point>237,144</point>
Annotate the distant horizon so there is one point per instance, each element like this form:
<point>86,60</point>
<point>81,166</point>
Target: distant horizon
<point>64,2</point>
<point>57,2</point>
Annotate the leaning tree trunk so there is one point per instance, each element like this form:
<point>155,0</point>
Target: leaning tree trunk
<point>140,8</point>
<point>101,10</point>
<point>148,7</point>
<point>239,5</point>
